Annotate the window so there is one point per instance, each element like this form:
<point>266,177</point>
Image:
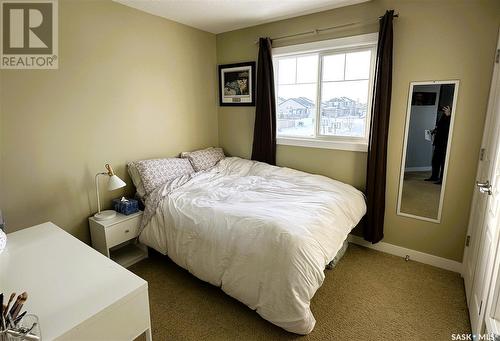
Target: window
<point>323,92</point>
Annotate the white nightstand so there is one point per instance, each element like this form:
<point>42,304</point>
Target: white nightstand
<point>115,238</point>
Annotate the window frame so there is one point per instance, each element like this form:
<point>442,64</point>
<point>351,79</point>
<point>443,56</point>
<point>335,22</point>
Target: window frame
<point>324,48</point>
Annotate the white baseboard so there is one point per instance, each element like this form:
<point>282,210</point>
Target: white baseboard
<point>417,256</point>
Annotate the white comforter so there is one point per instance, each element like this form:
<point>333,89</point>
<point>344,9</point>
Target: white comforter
<point>264,234</point>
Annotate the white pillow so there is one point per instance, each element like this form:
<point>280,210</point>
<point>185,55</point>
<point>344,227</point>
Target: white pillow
<point>204,159</point>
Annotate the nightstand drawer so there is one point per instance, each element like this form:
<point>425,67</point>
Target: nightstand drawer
<point>119,233</point>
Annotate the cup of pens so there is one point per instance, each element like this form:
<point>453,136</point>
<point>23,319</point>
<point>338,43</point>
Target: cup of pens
<point>16,325</point>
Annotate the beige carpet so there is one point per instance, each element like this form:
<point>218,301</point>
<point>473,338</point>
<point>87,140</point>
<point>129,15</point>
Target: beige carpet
<point>420,197</point>
<point>369,296</point>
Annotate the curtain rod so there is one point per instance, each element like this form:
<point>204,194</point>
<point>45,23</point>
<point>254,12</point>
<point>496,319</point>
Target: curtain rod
<point>319,30</point>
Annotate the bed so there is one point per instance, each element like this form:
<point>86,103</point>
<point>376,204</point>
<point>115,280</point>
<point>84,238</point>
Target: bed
<point>261,233</point>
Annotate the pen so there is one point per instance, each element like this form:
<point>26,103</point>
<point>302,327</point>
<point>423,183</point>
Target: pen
<point>19,304</point>
<point>8,303</point>
<point>16,307</point>
<point>17,319</point>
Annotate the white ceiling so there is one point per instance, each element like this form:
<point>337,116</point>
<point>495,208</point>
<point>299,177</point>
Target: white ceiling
<point>219,16</point>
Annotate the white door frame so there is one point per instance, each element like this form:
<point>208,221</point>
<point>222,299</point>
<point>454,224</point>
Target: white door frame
<point>492,311</point>
<point>473,243</point>
<point>484,222</point>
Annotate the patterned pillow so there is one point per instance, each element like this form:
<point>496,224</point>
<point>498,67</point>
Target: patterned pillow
<point>205,158</point>
<point>156,172</point>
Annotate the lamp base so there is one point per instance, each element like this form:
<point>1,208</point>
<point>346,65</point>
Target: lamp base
<point>105,215</point>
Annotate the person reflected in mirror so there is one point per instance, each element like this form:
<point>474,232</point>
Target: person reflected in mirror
<point>440,134</point>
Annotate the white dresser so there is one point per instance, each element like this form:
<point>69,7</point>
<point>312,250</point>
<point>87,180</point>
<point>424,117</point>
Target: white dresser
<point>77,293</point>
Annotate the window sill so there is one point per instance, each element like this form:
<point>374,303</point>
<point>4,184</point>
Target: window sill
<point>324,144</point>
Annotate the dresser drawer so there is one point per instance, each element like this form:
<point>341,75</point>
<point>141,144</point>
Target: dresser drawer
<point>119,233</point>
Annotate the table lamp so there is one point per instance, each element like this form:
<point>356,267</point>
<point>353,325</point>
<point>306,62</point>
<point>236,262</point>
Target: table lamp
<point>114,182</point>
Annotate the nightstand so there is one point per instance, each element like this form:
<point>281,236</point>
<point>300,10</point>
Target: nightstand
<point>116,238</point>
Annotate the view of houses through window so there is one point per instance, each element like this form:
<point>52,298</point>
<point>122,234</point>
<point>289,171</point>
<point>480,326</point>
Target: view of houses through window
<point>342,81</point>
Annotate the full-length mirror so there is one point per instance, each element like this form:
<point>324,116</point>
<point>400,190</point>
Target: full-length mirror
<point>427,141</point>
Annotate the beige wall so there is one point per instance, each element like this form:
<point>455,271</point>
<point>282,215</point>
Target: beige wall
<point>130,85</point>
<point>433,40</point>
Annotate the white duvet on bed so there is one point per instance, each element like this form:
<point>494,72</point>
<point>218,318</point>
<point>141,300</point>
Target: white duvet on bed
<point>264,234</point>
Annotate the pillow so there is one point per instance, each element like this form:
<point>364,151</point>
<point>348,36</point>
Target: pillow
<point>206,158</point>
<point>156,172</point>
<point>136,179</point>
<point>185,154</point>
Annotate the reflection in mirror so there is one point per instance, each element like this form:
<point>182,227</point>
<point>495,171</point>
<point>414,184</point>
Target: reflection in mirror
<point>429,126</point>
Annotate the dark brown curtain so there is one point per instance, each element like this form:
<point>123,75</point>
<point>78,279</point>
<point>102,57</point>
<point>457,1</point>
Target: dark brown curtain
<point>379,129</point>
<point>264,132</point>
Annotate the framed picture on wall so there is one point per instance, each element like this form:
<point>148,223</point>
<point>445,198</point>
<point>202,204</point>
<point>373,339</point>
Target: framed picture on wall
<point>237,84</point>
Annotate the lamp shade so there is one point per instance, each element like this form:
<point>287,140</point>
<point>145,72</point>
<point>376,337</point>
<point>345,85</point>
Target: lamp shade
<point>115,182</point>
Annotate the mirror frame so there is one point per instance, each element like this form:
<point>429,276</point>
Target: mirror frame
<point>448,149</point>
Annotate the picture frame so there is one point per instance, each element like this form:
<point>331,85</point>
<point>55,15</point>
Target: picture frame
<point>237,84</point>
